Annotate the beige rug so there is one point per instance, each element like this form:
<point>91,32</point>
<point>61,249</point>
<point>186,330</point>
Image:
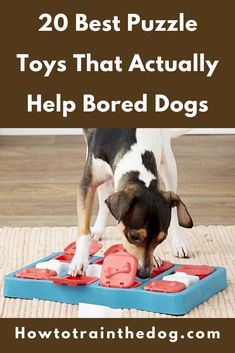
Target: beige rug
<point>21,246</point>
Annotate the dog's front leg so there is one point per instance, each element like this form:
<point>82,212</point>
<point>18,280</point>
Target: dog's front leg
<point>79,262</point>
<point>104,191</point>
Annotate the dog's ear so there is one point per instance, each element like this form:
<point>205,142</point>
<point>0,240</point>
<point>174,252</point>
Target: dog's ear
<point>120,202</point>
<point>184,217</point>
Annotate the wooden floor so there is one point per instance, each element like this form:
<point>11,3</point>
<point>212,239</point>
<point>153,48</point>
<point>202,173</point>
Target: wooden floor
<point>39,178</point>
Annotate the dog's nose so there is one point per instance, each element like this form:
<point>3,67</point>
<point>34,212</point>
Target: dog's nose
<point>143,272</point>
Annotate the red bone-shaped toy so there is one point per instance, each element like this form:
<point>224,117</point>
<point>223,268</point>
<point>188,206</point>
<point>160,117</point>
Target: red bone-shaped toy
<point>119,270</point>
<point>111,271</point>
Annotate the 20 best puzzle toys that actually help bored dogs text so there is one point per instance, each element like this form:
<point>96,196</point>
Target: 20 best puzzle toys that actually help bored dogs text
<point>111,281</point>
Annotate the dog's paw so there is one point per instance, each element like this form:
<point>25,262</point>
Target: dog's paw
<point>180,249</point>
<point>79,262</point>
<point>179,244</point>
<point>78,266</point>
<point>96,233</point>
<point>156,260</point>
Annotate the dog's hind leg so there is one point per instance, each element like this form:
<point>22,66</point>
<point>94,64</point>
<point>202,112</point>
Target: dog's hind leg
<point>168,172</point>
<point>104,191</point>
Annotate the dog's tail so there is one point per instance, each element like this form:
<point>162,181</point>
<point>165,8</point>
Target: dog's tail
<point>178,132</point>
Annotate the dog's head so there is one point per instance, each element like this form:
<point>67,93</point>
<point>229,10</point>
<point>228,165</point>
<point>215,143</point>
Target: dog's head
<point>144,217</point>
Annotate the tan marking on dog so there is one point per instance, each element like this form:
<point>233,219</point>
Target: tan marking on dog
<point>137,251</point>
<point>161,236</point>
<point>142,233</point>
<point>132,249</point>
<point>129,188</point>
<point>84,210</point>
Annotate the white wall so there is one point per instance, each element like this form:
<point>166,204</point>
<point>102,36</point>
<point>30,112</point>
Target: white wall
<point>23,132</point>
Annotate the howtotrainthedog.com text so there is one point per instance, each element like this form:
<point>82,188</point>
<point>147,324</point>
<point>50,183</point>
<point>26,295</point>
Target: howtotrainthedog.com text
<point>121,333</point>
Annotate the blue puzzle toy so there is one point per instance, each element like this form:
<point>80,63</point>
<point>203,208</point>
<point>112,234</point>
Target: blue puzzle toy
<point>111,281</point>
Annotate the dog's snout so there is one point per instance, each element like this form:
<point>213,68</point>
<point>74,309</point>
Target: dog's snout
<point>145,266</point>
<point>143,272</point>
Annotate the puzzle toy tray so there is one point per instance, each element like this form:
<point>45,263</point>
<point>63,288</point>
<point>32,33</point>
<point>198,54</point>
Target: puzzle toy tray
<point>111,281</point>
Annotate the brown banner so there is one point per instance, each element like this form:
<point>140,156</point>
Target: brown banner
<point>187,99</point>
<point>149,334</point>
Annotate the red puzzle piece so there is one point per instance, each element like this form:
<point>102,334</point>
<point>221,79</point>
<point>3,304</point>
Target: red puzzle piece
<point>74,281</point>
<point>196,270</point>
<point>113,249</point>
<point>69,251</point>
<point>94,247</point>
<point>36,273</point>
<point>119,270</point>
<point>164,267</point>
<point>64,257</point>
<point>165,286</point>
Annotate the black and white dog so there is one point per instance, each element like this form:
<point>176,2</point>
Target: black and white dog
<point>124,165</point>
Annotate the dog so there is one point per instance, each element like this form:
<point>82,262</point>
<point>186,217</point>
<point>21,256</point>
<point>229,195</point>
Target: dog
<point>125,167</point>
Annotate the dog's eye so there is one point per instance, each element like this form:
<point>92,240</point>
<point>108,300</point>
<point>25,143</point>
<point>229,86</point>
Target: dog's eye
<point>134,236</point>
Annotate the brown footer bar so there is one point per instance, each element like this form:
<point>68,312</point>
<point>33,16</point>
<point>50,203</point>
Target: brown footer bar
<point>116,335</point>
